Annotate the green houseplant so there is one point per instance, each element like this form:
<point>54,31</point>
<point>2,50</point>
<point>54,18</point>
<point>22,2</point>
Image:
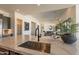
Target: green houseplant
<point>68,30</point>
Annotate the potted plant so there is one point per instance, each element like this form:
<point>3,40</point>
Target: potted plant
<point>68,32</point>
<point>69,38</point>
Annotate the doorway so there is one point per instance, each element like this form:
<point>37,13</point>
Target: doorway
<point>19,31</point>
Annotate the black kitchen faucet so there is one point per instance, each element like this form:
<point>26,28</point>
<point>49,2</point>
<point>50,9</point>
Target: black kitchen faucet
<point>37,32</point>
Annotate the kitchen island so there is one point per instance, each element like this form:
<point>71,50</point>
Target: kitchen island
<point>11,48</point>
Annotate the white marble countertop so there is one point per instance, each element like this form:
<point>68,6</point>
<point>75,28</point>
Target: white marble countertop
<point>25,51</point>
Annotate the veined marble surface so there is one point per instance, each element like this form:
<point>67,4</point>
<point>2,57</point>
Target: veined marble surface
<point>58,47</point>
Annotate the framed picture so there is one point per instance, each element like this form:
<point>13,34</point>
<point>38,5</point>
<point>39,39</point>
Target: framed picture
<point>26,24</point>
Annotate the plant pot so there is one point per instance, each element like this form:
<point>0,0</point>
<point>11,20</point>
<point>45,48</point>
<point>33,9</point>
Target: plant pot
<point>69,38</point>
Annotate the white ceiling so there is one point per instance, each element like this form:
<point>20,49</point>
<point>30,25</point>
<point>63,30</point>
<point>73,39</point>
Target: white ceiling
<point>44,12</point>
<point>33,8</point>
<point>50,16</point>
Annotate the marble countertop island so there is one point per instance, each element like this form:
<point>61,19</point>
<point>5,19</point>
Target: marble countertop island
<point>11,46</point>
